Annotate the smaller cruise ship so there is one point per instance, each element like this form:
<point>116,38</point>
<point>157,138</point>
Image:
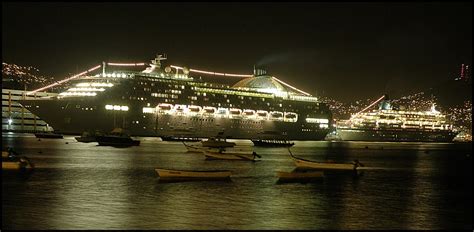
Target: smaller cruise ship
<point>390,124</point>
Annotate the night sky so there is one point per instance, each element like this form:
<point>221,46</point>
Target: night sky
<point>341,50</point>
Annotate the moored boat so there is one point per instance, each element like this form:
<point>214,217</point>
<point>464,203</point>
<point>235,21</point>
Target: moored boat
<point>87,137</point>
<point>12,161</point>
<point>303,163</point>
<point>217,143</point>
<point>48,135</point>
<point>299,175</point>
<point>187,174</point>
<point>200,149</point>
<point>117,138</point>
<point>231,155</point>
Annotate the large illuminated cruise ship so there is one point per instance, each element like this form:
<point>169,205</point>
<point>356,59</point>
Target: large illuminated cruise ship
<point>170,102</point>
<point>389,124</point>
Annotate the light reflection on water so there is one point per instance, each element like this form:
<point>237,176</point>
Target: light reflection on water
<point>84,186</point>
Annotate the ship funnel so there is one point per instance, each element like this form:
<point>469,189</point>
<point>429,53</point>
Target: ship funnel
<point>385,104</point>
<point>259,71</point>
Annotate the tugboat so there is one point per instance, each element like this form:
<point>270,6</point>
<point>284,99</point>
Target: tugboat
<point>117,138</point>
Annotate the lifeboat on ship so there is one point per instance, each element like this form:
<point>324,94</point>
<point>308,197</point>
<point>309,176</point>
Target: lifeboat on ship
<point>209,110</point>
<point>276,115</point>
<point>249,113</point>
<point>164,108</point>
<point>234,112</point>
<point>194,110</point>
<point>291,117</point>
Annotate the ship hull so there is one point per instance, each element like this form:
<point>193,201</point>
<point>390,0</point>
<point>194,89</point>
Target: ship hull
<point>69,117</point>
<point>395,135</point>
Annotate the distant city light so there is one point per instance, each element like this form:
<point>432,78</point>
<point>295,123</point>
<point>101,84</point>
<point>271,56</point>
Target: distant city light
<point>375,102</point>
<point>65,80</point>
<point>301,91</point>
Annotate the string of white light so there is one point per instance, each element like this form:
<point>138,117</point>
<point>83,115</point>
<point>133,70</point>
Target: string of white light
<point>126,64</point>
<point>64,80</point>
<point>212,73</point>
<point>370,105</point>
<point>301,91</point>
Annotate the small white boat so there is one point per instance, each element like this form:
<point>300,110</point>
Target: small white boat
<point>231,155</point>
<point>302,163</point>
<point>186,174</point>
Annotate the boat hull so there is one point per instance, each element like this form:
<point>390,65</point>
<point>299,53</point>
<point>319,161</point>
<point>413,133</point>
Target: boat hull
<point>117,141</point>
<point>48,136</point>
<point>13,162</point>
<point>229,156</point>
<point>86,139</point>
<point>324,166</point>
<point>73,120</point>
<point>198,149</point>
<point>16,166</point>
<point>181,174</point>
<point>299,175</point>
<point>395,135</point>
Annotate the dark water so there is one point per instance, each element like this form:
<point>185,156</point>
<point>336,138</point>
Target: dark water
<point>84,186</point>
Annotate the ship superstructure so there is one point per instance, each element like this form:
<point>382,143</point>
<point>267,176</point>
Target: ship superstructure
<point>169,101</point>
<point>389,124</point>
